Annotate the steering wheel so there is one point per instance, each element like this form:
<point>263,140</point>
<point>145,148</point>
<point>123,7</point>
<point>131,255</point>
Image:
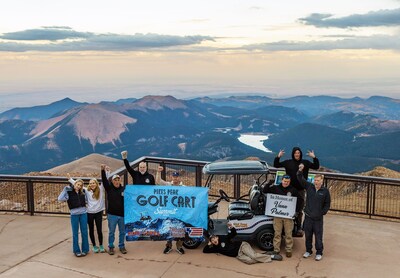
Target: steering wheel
<point>223,195</point>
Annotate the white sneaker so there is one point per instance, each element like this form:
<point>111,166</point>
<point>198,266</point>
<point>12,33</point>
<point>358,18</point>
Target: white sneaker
<point>318,257</point>
<point>306,254</point>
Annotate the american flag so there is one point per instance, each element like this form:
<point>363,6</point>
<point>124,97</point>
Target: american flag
<point>194,232</point>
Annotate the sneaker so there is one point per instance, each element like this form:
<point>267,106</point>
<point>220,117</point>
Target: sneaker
<point>111,250</point>
<point>288,254</point>
<point>83,254</point>
<point>123,250</point>
<point>102,250</point>
<point>276,257</point>
<point>78,254</point>
<point>318,257</point>
<point>180,251</point>
<point>306,254</point>
<point>167,250</point>
<point>96,249</point>
<point>271,253</point>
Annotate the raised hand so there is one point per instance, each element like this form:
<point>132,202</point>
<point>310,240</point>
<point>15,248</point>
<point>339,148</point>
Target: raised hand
<point>102,167</point>
<point>124,154</point>
<point>311,153</point>
<point>281,153</point>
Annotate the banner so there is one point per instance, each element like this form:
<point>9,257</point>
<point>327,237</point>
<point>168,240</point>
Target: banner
<point>280,206</point>
<point>165,212</point>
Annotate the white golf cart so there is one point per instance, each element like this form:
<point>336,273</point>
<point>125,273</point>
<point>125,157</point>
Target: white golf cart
<point>247,216</point>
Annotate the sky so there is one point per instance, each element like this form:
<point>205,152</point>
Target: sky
<point>107,50</point>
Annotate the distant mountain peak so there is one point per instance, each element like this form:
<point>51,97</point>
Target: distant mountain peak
<point>153,102</point>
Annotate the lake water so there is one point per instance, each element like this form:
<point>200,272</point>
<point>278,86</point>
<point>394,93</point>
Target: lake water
<point>255,141</point>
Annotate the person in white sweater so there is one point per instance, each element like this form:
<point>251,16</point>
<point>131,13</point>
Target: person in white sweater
<point>95,207</point>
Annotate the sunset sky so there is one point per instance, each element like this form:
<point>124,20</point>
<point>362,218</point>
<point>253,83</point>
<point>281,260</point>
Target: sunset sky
<point>105,50</point>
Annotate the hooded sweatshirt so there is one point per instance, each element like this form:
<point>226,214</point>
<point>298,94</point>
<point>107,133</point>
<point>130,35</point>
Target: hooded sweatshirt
<point>292,165</point>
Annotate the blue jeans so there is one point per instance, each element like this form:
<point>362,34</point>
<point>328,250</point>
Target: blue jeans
<point>113,221</point>
<point>79,221</point>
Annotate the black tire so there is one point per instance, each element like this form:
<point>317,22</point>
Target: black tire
<point>265,240</point>
<point>189,243</point>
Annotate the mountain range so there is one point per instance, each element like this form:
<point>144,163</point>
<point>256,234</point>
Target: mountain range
<point>348,135</point>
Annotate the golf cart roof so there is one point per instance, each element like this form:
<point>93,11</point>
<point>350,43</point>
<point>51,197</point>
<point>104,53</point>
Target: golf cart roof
<point>236,167</point>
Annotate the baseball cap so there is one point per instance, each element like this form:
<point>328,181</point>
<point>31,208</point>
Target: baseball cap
<point>175,174</point>
<point>115,177</point>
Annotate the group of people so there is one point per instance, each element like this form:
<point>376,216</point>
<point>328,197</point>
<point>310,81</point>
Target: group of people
<point>294,183</point>
<point>315,197</point>
<point>87,205</point>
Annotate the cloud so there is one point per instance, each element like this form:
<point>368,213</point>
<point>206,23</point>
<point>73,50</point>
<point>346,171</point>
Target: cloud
<point>66,39</point>
<point>51,33</point>
<point>374,18</point>
<point>380,42</point>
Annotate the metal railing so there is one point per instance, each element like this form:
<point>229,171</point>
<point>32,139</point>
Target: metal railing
<point>371,197</point>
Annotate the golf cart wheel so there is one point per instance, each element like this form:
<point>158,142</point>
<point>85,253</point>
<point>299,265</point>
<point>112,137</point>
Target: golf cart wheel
<point>265,240</point>
<point>190,243</point>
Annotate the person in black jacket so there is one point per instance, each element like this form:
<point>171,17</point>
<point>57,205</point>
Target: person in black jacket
<point>141,177</point>
<point>291,166</point>
<point>242,250</point>
<point>115,210</point>
<point>284,189</point>
<point>318,202</point>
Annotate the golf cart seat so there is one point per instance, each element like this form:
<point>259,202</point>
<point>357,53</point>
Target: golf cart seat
<point>254,199</point>
<point>249,209</point>
<point>244,204</point>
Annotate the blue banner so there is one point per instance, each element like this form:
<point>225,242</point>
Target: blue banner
<point>165,212</point>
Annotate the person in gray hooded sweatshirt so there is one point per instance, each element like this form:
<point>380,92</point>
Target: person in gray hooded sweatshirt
<point>291,166</point>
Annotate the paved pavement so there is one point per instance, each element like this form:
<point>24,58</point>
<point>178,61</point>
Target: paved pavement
<point>40,246</point>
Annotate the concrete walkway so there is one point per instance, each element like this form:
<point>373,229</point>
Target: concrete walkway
<point>40,246</point>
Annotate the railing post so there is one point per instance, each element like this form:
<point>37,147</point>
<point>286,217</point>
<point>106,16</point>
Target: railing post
<point>30,197</point>
<point>199,174</point>
<point>368,205</point>
<point>236,186</point>
<point>373,199</point>
<point>164,171</point>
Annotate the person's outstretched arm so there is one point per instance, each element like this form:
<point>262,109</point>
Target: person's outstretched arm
<point>302,181</point>
<point>159,180</point>
<point>128,167</point>
<point>315,164</point>
<point>104,178</point>
<point>277,163</point>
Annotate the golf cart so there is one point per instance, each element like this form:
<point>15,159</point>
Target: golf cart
<point>247,216</point>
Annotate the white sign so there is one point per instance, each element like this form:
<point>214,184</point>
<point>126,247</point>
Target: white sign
<point>280,206</point>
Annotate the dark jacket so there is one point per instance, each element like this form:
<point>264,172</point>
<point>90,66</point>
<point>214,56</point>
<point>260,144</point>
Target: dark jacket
<point>292,165</point>
<point>225,245</point>
<point>115,196</point>
<point>76,200</point>
<point>139,178</point>
<point>285,191</point>
<point>317,202</point>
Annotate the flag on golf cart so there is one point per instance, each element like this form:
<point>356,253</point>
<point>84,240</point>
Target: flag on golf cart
<point>165,212</point>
